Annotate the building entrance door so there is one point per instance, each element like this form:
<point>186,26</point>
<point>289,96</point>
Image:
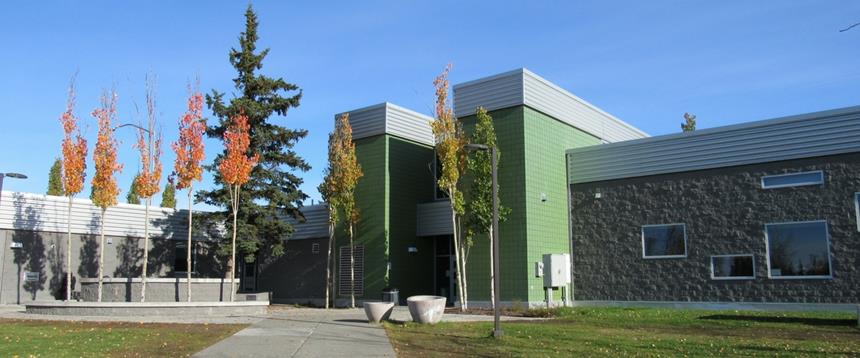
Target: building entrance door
<point>445,268</point>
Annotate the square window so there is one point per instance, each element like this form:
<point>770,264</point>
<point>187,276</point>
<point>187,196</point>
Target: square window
<point>664,241</point>
<point>792,179</point>
<point>732,267</point>
<point>798,250</point>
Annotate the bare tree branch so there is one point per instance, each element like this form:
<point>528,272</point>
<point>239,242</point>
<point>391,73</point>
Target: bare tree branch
<point>850,27</point>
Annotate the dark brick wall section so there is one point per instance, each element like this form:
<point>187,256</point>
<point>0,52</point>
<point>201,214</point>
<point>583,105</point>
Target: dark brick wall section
<point>725,211</point>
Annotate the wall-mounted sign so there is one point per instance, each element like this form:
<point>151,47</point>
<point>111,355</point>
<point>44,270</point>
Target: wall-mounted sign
<point>31,276</point>
<point>16,245</point>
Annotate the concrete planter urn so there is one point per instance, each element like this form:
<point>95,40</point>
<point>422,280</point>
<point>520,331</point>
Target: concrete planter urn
<point>426,309</point>
<point>378,311</point>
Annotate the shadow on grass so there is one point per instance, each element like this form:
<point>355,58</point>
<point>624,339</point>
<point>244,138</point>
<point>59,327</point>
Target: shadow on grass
<point>809,321</point>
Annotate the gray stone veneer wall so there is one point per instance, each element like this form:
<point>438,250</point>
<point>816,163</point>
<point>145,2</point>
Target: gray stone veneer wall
<point>725,211</point>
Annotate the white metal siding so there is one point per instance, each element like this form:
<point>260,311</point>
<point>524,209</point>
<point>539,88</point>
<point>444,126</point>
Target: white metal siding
<point>523,87</point>
<point>408,124</point>
<point>388,118</point>
<point>367,121</point>
<point>434,218</point>
<point>548,98</point>
<point>802,136</point>
<point>25,211</point>
<point>495,92</point>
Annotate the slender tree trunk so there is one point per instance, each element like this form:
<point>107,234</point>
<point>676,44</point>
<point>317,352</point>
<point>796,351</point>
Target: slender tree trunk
<point>351,268</point>
<point>69,252</point>
<point>188,266</point>
<point>101,255</point>
<point>328,284</point>
<point>145,251</point>
<point>464,254</point>
<point>457,253</point>
<point>233,246</point>
<point>492,289</point>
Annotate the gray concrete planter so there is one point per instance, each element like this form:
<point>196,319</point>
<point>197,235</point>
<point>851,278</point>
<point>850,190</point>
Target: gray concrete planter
<point>426,309</point>
<point>378,311</point>
<point>158,289</point>
<point>173,309</point>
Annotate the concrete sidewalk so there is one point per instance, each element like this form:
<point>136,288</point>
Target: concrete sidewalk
<point>306,333</point>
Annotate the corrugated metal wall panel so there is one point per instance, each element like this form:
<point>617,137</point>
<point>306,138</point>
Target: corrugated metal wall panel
<point>315,225</point>
<point>434,218</point>
<point>25,211</point>
<point>495,92</point>
<point>408,124</point>
<point>523,87</point>
<point>546,97</point>
<point>388,118</point>
<point>802,136</point>
<point>367,121</point>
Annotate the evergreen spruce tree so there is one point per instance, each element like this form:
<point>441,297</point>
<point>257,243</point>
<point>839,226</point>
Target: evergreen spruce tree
<point>55,179</point>
<point>133,196</point>
<point>272,193</point>
<point>168,196</point>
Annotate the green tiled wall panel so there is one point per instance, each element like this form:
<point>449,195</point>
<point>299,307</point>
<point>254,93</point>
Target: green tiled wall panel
<point>371,196</point>
<point>410,182</point>
<point>546,140</point>
<point>514,271</point>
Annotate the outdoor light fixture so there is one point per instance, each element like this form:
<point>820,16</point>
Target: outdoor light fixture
<point>10,175</point>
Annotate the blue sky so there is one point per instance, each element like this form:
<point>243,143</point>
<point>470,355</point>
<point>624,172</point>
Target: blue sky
<point>645,62</point>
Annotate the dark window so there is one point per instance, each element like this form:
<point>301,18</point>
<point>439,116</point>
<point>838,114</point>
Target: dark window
<point>345,286</point>
<point>798,250</point>
<point>728,267</point>
<point>792,179</point>
<point>180,260</point>
<point>664,241</point>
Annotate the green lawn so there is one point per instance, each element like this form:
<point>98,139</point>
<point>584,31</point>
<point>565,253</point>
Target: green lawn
<point>639,332</point>
<point>28,338</point>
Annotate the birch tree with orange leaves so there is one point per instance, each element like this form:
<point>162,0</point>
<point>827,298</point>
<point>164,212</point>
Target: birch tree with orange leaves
<point>189,155</point>
<point>105,189</point>
<point>451,151</point>
<point>73,172</point>
<point>235,170</point>
<point>148,181</point>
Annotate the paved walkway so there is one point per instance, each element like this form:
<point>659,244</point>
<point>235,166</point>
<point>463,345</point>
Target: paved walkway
<point>286,331</point>
<point>306,333</point>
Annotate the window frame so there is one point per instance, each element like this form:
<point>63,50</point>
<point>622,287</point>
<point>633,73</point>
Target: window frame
<point>733,278</point>
<point>857,209</point>
<point>642,237</point>
<point>811,277</point>
<point>763,177</point>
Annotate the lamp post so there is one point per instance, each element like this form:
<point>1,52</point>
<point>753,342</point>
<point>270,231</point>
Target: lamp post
<point>9,175</point>
<point>497,325</point>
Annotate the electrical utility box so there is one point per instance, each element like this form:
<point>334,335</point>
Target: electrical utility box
<point>556,270</point>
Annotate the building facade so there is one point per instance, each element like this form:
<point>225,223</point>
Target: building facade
<point>759,212</point>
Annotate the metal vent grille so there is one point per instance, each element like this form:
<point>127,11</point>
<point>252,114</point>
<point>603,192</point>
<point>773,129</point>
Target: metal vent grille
<point>315,248</point>
<point>344,284</point>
